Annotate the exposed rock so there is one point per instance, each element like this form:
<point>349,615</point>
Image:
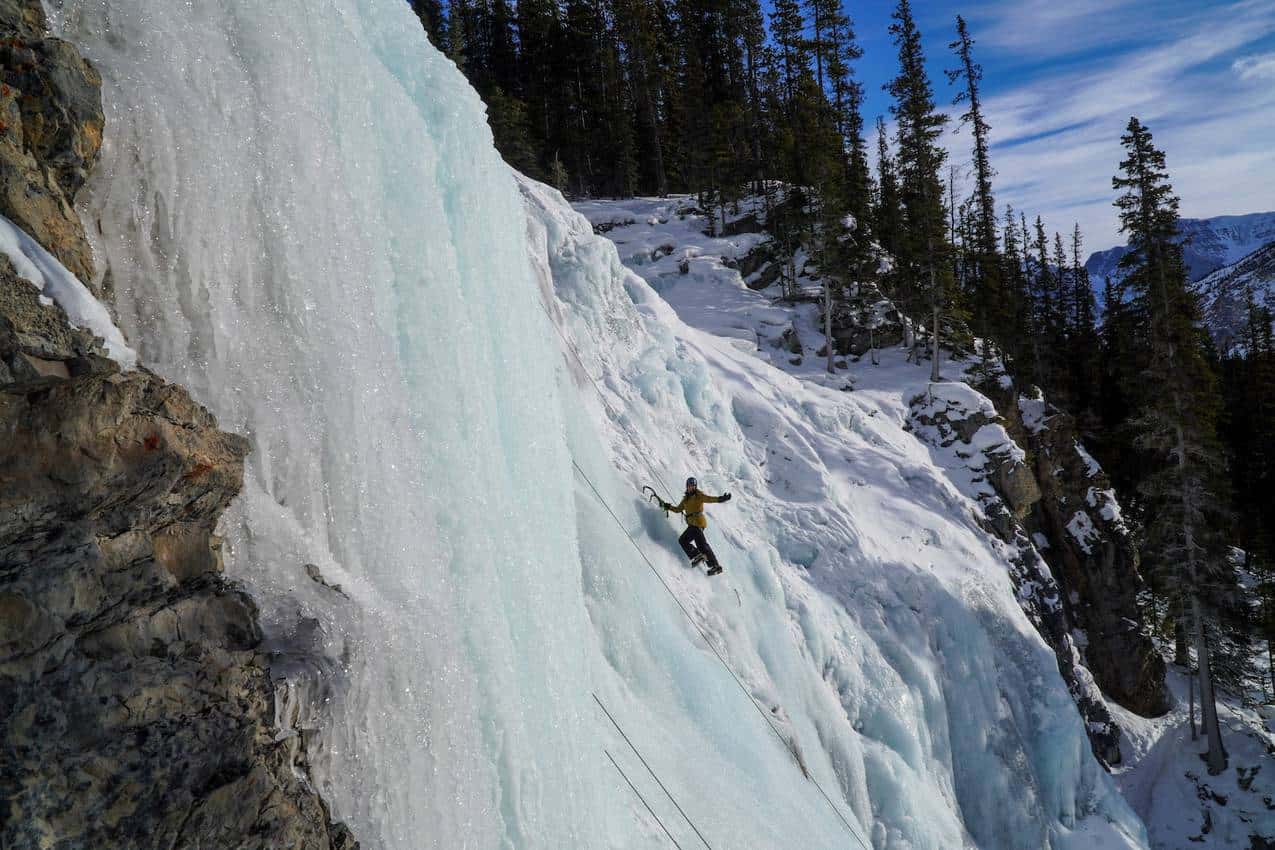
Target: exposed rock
<point>36,342</point>
<point>138,706</point>
<point>863,320</point>
<point>1093,557</point>
<point>1064,504</point>
<point>50,133</point>
<point>767,276</point>
<point>747,223</point>
<point>752,262</point>
<point>953,416</point>
<point>790,340</point>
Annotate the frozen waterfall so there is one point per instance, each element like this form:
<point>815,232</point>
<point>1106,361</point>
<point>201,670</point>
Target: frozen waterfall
<point>303,219</point>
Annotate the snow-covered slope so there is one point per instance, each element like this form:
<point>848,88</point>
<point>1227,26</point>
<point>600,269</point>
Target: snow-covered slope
<point>454,391</point>
<point>1211,244</point>
<point>908,645</point>
<point>1225,295</point>
<point>1167,784</point>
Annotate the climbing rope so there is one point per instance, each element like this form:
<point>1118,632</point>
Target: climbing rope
<point>703,634</point>
<point>643,799</point>
<point>652,772</point>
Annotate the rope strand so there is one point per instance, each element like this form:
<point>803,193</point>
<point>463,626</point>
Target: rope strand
<point>663,788</point>
<point>643,799</point>
<point>703,634</point>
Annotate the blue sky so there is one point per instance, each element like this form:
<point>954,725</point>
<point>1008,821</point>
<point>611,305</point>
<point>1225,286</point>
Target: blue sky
<point>1062,77</point>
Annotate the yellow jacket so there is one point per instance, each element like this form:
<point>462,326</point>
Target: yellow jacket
<point>692,505</point>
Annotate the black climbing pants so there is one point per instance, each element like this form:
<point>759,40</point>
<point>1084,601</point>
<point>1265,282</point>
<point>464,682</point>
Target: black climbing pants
<point>693,543</point>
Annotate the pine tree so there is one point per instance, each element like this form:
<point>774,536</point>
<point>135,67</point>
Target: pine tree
<point>539,39</point>
<point>1178,403</point>
<point>511,133</point>
<point>992,309</point>
<point>842,50</point>
<point>433,19</point>
<point>753,43</point>
<point>887,215</point>
<point>1014,278</point>
<point>1084,336</point>
<point>1044,324</point>
<point>924,249</point>
<point>457,35</point>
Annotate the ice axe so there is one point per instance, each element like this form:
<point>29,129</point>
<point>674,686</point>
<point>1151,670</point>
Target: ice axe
<point>652,496</point>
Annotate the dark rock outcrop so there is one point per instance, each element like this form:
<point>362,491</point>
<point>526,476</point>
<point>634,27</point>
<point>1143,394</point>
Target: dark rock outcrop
<point>138,706</point>
<point>1090,552</point>
<point>139,711</point>
<point>864,319</point>
<point>50,132</point>
<point>1012,493</point>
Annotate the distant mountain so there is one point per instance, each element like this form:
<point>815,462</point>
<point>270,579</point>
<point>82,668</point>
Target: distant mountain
<point>1224,295</point>
<point>1211,244</point>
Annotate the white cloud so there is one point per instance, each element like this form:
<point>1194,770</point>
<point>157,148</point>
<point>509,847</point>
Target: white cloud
<point>1056,139</point>
<point>1048,28</point>
<point>1259,67</point>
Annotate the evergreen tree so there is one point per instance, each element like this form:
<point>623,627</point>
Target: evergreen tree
<point>434,20</point>
<point>1084,336</point>
<point>842,50</point>
<point>923,251</point>
<point>1178,404</point>
<point>993,309</point>
<point>457,31</point>
<point>1014,278</point>
<point>887,216</point>
<point>1044,319</point>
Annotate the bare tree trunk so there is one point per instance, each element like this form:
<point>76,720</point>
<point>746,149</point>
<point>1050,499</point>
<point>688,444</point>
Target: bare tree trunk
<point>934,364</point>
<point>1208,708</point>
<point>1181,656</point>
<point>1190,689</point>
<point>1270,660</point>
<point>827,320</point>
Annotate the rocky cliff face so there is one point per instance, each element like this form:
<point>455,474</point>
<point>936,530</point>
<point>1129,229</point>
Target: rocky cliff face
<point>139,709</point>
<point>1080,532</point>
<point>996,471</point>
<point>1075,566</point>
<point>50,132</point>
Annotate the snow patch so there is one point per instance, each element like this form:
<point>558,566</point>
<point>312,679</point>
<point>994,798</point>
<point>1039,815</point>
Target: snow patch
<point>1082,529</point>
<point>42,269</point>
<point>1092,467</point>
<point>1034,412</point>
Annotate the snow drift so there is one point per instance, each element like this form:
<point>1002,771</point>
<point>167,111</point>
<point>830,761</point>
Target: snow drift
<point>450,384</point>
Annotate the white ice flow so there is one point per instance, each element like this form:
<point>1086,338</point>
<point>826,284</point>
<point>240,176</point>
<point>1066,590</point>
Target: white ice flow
<point>306,223</point>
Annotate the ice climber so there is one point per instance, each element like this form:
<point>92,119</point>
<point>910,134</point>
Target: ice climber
<point>693,542</point>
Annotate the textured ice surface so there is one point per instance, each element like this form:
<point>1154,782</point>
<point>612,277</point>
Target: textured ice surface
<point>306,223</point>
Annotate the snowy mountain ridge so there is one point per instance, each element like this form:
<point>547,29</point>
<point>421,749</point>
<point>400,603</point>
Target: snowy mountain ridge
<point>1211,243</point>
<point>1225,295</point>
